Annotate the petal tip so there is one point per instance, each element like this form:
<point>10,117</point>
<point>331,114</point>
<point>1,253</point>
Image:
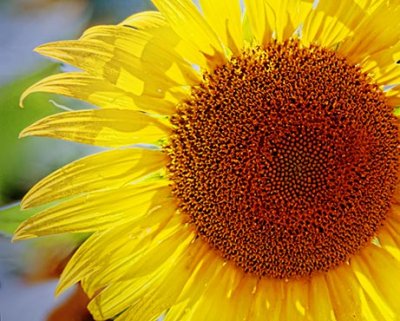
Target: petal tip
<point>23,133</point>
<point>41,48</point>
<point>61,287</point>
<point>22,234</point>
<point>23,97</point>
<point>25,201</point>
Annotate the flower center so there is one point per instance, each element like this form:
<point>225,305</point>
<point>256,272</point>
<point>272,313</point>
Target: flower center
<point>285,159</point>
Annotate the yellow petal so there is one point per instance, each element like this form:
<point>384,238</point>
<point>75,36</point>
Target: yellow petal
<point>162,296</point>
<point>331,22</point>
<point>349,300</point>
<point>145,20</point>
<point>102,127</point>
<point>147,51</point>
<point>217,302</point>
<point>102,171</point>
<point>382,66</point>
<point>178,312</point>
<point>105,248</point>
<point>243,296</point>
<point>377,282</point>
<point>93,211</point>
<point>257,15</point>
<point>160,292</point>
<point>393,96</point>
<point>286,16</point>
<point>298,301</point>
<point>224,16</point>
<point>208,265</point>
<point>320,300</point>
<point>258,310</point>
<point>118,66</point>
<point>155,24</point>
<point>376,269</point>
<point>187,22</point>
<point>120,296</point>
<point>274,298</point>
<point>378,31</point>
<point>100,93</point>
<point>389,237</point>
<point>146,258</point>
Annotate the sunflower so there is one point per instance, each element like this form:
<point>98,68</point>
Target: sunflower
<point>252,171</point>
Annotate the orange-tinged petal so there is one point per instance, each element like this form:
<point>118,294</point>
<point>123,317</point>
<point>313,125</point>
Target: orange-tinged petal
<point>320,300</point>
<point>393,96</point>
<point>376,269</point>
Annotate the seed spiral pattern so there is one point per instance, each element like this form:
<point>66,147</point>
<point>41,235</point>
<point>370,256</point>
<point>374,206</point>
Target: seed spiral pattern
<point>285,159</point>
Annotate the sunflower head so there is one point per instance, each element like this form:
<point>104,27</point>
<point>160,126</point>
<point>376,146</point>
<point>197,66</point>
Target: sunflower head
<point>283,171</point>
<point>253,162</point>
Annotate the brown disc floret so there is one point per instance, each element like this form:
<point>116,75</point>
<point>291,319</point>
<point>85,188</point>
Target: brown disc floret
<point>285,159</point>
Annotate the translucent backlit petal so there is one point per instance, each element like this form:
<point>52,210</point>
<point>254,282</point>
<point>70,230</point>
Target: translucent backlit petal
<point>146,258</point>
<point>286,16</point>
<point>208,267</point>
<point>101,93</point>
<point>103,171</point>
<point>121,295</point>
<point>155,24</point>
<point>273,298</point>
<point>104,249</point>
<point>376,269</point>
<point>103,127</point>
<point>146,20</point>
<point>331,22</point>
<point>243,297</point>
<point>217,302</point>
<point>161,297</point>
<point>119,67</point>
<point>225,18</point>
<point>184,17</point>
<point>93,211</point>
<point>147,50</point>
<point>382,66</point>
<point>377,31</point>
<point>256,12</point>
<point>160,293</point>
